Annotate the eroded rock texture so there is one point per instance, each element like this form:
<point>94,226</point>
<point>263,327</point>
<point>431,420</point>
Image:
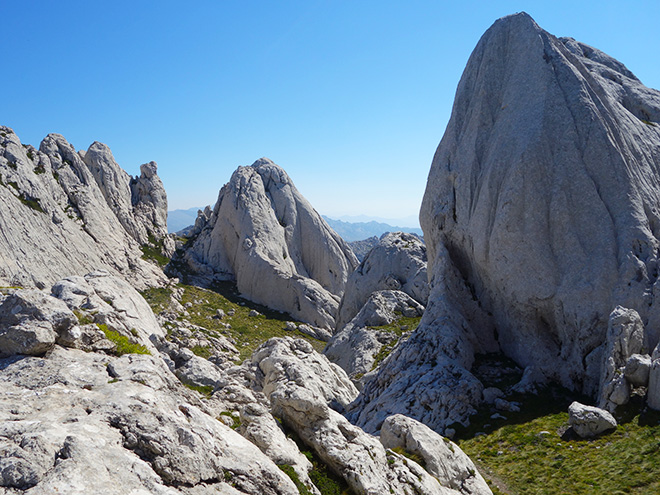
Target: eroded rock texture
<point>541,215</point>
<point>265,235</point>
<point>64,212</point>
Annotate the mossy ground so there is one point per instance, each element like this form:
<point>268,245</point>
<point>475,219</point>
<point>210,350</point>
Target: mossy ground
<point>249,332</point>
<point>535,452</point>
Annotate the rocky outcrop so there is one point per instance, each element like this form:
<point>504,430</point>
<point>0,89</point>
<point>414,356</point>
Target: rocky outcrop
<point>90,423</point>
<point>67,213</point>
<point>543,200</point>
<point>263,234</point>
<point>356,346</point>
<point>442,457</point>
<point>397,262</point>
<point>308,407</point>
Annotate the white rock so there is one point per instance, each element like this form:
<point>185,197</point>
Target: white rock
<point>264,234</point>
<point>589,421</point>
<point>637,370</point>
<point>58,221</point>
<point>442,457</point>
<point>398,262</point>
<point>355,347</point>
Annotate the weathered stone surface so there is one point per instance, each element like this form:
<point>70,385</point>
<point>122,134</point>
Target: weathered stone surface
<point>397,262</point>
<point>295,380</point>
<point>78,422</point>
<point>637,370</point>
<point>625,337</point>
<point>283,360</point>
<point>264,234</point>
<point>355,347</point>
<point>589,421</point>
<point>112,301</point>
<point>442,457</point>
<point>543,198</point>
<point>31,321</point>
<point>57,219</point>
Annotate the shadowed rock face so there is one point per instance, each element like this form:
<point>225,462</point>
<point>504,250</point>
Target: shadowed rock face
<point>543,204</point>
<point>64,212</point>
<point>264,234</point>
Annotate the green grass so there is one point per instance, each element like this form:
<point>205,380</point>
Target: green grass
<point>236,420</point>
<point>395,329</point>
<point>290,472</point>
<point>249,332</point>
<point>526,461</point>
<point>153,252</point>
<point>122,343</point>
<point>413,457</point>
<point>201,351</point>
<point>206,390</point>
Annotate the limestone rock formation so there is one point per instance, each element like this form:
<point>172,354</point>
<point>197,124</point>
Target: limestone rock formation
<point>263,234</point>
<point>64,213</point>
<point>543,202</point>
<point>442,457</point>
<point>397,262</point>
<point>356,346</point>
<point>285,367</point>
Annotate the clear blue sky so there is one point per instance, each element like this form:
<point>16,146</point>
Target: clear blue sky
<point>350,97</point>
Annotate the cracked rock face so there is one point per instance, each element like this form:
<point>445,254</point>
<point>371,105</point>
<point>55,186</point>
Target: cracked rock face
<point>265,235</point>
<point>64,212</point>
<point>77,422</point>
<point>543,204</point>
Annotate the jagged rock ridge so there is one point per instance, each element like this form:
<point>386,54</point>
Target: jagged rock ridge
<point>67,213</point>
<point>541,215</point>
<point>265,235</point>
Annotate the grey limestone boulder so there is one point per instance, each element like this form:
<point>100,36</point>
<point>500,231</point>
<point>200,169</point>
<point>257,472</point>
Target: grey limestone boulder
<point>589,421</point>
<point>625,337</point>
<point>442,457</point>
<point>263,234</point>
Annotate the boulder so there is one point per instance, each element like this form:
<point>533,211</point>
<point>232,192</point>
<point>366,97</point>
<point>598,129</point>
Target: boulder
<point>625,337</point>
<point>637,370</point>
<point>263,234</point>
<point>31,322</point>
<point>589,421</point>
<point>304,389</point>
<point>397,262</point>
<point>442,457</point>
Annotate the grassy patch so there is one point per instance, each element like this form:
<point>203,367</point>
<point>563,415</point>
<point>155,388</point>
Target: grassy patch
<point>83,318</point>
<point>534,452</point>
<point>206,390</point>
<point>395,328</point>
<point>235,419</point>
<point>122,343</point>
<point>153,252</point>
<point>249,332</point>
<point>291,473</point>
<point>201,351</point>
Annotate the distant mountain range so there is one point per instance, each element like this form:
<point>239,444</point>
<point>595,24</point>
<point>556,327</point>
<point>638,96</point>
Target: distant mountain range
<point>349,230</point>
<point>357,231</point>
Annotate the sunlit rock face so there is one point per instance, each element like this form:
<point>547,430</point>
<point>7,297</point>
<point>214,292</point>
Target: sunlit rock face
<point>64,212</point>
<point>265,235</point>
<point>541,215</point>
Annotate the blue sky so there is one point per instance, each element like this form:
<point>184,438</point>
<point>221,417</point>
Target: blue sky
<point>351,98</point>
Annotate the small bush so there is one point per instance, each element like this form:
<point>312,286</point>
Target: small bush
<point>291,473</point>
